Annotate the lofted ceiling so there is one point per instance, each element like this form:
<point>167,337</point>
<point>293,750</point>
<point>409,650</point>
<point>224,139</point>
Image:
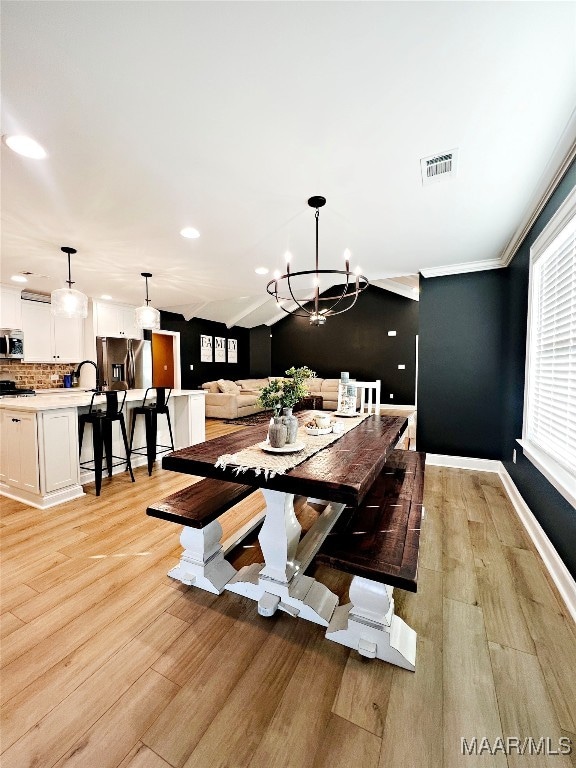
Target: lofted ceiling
<point>227,116</point>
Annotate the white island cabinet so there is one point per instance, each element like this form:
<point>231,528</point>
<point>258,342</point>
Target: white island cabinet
<point>39,457</point>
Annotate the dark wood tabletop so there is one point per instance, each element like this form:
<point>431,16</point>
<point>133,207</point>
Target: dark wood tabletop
<point>343,472</point>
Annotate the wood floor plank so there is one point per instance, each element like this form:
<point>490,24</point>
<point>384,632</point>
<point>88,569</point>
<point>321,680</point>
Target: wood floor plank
<point>416,697</point>
<point>122,724</point>
<point>196,642</point>
<point>19,571</point>
<point>53,648</point>
<point>235,733</point>
<point>8,623</point>
<point>293,734</point>
<point>345,745</point>
<point>17,594</point>
<point>431,537</point>
<point>555,641</point>
<point>510,530</point>
<point>524,704</point>
<point>34,701</point>
<point>94,593</point>
<point>458,558</point>
<point>101,578</point>
<point>363,695</point>
<point>503,617</point>
<point>55,734</point>
<point>180,727</point>
<point>529,579</point>
<point>470,705</point>
<point>142,757</point>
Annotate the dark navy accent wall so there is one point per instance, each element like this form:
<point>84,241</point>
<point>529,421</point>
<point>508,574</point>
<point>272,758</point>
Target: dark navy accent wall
<point>260,351</point>
<point>460,364</point>
<point>556,515</point>
<point>190,332</point>
<point>356,341</point>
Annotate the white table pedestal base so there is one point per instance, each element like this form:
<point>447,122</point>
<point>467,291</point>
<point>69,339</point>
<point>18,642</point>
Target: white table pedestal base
<point>202,563</point>
<point>368,625</point>
<point>302,597</point>
<point>280,584</point>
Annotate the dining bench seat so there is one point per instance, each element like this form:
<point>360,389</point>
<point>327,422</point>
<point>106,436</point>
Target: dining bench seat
<point>378,543</point>
<point>380,539</point>
<point>198,509</point>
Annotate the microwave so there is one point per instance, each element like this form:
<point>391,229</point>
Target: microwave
<point>11,343</point>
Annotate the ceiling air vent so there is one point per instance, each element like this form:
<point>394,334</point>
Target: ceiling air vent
<point>438,167</point>
<point>35,296</point>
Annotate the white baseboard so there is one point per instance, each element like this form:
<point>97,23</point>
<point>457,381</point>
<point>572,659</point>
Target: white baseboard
<point>463,462</point>
<point>561,576</point>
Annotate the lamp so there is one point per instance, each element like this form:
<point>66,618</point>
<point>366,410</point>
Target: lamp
<point>66,302</point>
<point>146,316</point>
<point>309,305</point>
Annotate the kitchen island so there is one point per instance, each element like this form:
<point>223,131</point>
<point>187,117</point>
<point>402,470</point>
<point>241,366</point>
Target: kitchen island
<point>39,458</point>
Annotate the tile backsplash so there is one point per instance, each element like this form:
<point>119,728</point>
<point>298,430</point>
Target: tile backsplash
<point>35,375</point>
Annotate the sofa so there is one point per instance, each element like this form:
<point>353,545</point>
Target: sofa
<point>234,399</point>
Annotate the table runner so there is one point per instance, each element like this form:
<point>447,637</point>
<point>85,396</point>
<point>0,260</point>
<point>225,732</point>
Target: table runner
<point>271,464</point>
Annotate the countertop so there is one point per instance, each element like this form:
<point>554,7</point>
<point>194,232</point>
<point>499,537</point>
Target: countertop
<point>49,399</point>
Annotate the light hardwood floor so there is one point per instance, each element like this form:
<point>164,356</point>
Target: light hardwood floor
<point>106,662</point>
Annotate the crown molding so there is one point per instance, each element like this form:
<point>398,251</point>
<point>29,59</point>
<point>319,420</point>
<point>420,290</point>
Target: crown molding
<point>389,284</point>
<point>458,269</point>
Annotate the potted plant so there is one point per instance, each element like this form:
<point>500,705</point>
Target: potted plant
<point>282,395</point>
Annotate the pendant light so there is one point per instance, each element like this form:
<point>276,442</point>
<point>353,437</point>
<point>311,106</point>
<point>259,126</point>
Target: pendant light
<point>147,317</point>
<point>66,302</point>
<point>315,304</point>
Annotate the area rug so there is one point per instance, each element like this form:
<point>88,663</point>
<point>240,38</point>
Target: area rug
<point>251,421</point>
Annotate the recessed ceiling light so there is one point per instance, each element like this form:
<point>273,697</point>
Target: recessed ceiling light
<point>106,297</point>
<point>19,279</point>
<point>261,270</point>
<point>190,233</point>
<point>26,146</point>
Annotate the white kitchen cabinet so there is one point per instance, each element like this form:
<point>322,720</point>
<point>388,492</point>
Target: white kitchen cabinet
<point>115,320</point>
<point>49,339</point>
<point>59,468</point>
<point>10,311</point>
<point>19,451</point>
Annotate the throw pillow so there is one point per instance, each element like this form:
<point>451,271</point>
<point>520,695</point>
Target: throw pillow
<point>228,387</point>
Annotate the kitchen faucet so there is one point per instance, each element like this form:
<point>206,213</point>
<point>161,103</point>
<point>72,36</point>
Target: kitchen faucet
<point>77,373</point>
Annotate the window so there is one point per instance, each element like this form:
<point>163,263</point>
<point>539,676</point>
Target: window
<point>549,434</point>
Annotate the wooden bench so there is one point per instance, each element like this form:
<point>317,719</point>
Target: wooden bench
<point>378,543</point>
<point>198,509</point>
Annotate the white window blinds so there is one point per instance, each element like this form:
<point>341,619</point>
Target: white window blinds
<point>550,418</point>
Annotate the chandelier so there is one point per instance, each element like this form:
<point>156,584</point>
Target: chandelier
<point>317,304</point>
<point>147,317</point>
<point>67,302</point>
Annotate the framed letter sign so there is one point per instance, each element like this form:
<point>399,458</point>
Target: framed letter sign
<point>205,349</point>
<point>232,350</point>
<point>219,349</point>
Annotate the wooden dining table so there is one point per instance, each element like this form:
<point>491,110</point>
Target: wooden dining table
<point>338,475</point>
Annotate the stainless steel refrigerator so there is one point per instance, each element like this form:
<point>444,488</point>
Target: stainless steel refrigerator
<point>124,363</point>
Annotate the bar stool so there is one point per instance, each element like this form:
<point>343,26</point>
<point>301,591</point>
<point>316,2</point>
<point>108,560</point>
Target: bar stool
<point>101,422</point>
<point>151,411</point>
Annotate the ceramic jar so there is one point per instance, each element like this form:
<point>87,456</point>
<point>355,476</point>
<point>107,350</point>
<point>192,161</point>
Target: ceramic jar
<point>291,423</point>
<point>277,433</point>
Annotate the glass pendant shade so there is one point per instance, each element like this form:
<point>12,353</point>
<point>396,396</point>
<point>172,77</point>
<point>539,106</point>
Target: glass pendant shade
<point>66,302</point>
<point>147,318</point>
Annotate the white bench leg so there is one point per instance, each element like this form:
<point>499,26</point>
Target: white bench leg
<point>369,626</point>
<point>202,563</point>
